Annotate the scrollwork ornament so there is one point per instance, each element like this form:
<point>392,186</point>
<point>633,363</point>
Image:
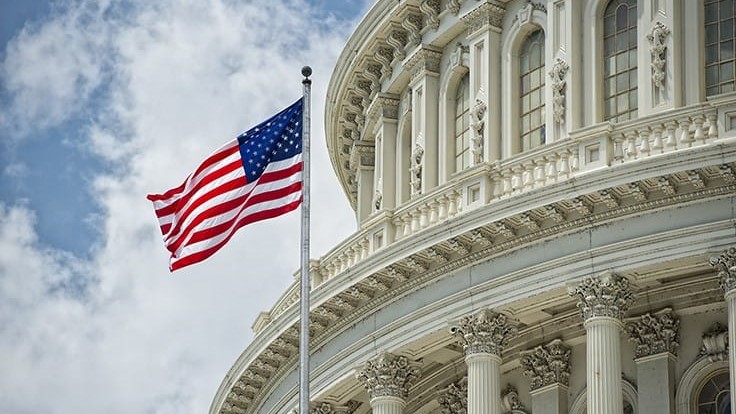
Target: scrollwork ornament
<point>510,400</point>
<point>485,332</point>
<point>725,265</point>
<point>715,343</point>
<point>655,334</point>
<point>417,157</point>
<point>605,295</point>
<point>389,375</point>
<point>477,122</point>
<point>454,398</point>
<point>559,86</point>
<point>431,11</point>
<point>657,48</point>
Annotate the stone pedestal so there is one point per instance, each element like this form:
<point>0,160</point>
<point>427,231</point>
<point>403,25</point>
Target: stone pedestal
<point>483,336</point>
<point>603,301</point>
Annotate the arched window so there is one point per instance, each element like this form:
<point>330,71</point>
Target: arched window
<point>462,124</point>
<point>531,91</point>
<point>714,396</point>
<point>619,60</point>
<point>719,46</point>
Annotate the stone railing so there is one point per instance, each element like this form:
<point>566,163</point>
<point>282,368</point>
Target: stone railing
<point>603,145</point>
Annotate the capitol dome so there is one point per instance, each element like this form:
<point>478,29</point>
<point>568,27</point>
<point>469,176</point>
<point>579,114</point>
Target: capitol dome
<point>546,209</point>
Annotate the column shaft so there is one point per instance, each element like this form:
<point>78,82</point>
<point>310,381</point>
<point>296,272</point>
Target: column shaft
<point>731,302</point>
<point>387,405</point>
<point>603,356</point>
<point>484,383</point>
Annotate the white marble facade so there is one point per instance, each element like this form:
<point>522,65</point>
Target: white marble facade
<point>545,198</point>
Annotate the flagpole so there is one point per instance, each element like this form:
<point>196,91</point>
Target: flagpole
<point>304,297</point>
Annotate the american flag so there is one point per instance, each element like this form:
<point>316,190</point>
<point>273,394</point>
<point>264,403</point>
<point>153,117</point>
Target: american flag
<point>254,177</point>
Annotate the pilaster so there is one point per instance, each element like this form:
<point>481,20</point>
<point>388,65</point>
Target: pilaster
<point>656,338</point>
<point>425,68</point>
<point>725,265</point>
<point>388,378</point>
<point>362,161</point>
<point>483,336</point>
<point>385,111</point>
<point>603,301</point>
<point>484,39</point>
<point>548,370</point>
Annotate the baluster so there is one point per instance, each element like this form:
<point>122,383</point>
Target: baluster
<point>424,216</point>
<point>657,141</point>
<point>454,203</point>
<point>618,148</point>
<point>685,137</point>
<point>630,144</point>
<point>433,213</point>
<point>551,168</point>
<point>539,173</point>
<point>644,148</point>
<point>699,135</point>
<point>508,176</point>
<point>442,210</point>
<point>574,160</point>
<point>366,250</point>
<point>712,125</point>
<point>528,175</point>
<point>398,228</point>
<point>497,183</point>
<point>564,164</point>
<point>670,142</point>
<point>407,224</point>
<point>415,223</point>
<point>516,180</point>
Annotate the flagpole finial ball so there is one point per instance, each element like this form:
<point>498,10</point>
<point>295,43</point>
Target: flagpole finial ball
<point>306,71</point>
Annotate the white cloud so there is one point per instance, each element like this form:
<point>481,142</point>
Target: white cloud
<point>118,333</point>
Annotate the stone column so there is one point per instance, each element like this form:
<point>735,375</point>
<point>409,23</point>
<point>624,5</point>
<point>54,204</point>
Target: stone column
<point>484,39</point>
<point>483,336</point>
<point>656,339</point>
<point>725,264</point>
<point>603,300</point>
<point>385,111</point>
<point>388,378</point>
<point>548,369</point>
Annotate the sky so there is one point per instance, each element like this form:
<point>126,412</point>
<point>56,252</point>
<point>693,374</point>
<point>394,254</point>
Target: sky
<point>101,103</point>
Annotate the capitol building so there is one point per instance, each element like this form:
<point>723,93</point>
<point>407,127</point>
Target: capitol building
<point>545,197</point>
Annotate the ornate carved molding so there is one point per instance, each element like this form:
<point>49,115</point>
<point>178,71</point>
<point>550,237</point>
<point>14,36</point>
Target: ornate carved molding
<point>327,408</point>
<point>477,123</point>
<point>454,398</point>
<point>453,6</point>
<point>362,154</point>
<point>547,364</point>
<point>424,60</point>
<point>490,12</point>
<point>715,343</point>
<point>606,294</point>
<point>655,333</point>
<point>412,22</point>
<point>389,375</point>
<point>431,11</point>
<point>384,106</point>
<point>485,331</point>
<point>397,39</point>
<point>725,265</point>
<point>457,58</point>
<point>559,86</point>
<point>511,402</point>
<point>658,49</point>
<point>524,15</point>
<point>417,162</point>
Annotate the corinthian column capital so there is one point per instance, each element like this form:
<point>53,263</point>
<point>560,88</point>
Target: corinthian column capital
<point>454,398</point>
<point>607,295</point>
<point>389,375</point>
<point>547,364</point>
<point>725,264</point>
<point>655,333</point>
<point>484,332</point>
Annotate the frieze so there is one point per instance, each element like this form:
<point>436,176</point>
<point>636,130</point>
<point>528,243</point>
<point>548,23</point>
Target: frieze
<point>603,295</point>
<point>485,331</point>
<point>424,60</point>
<point>489,12</point>
<point>389,375</point>
<point>655,333</point>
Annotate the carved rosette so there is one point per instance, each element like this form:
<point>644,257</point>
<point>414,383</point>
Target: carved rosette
<point>454,398</point>
<point>327,408</point>
<point>559,86</point>
<point>658,49</point>
<point>548,364</point>
<point>489,12</point>
<point>655,334</point>
<point>477,121</point>
<point>607,295</point>
<point>389,375</point>
<point>485,332</point>
<point>725,265</point>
